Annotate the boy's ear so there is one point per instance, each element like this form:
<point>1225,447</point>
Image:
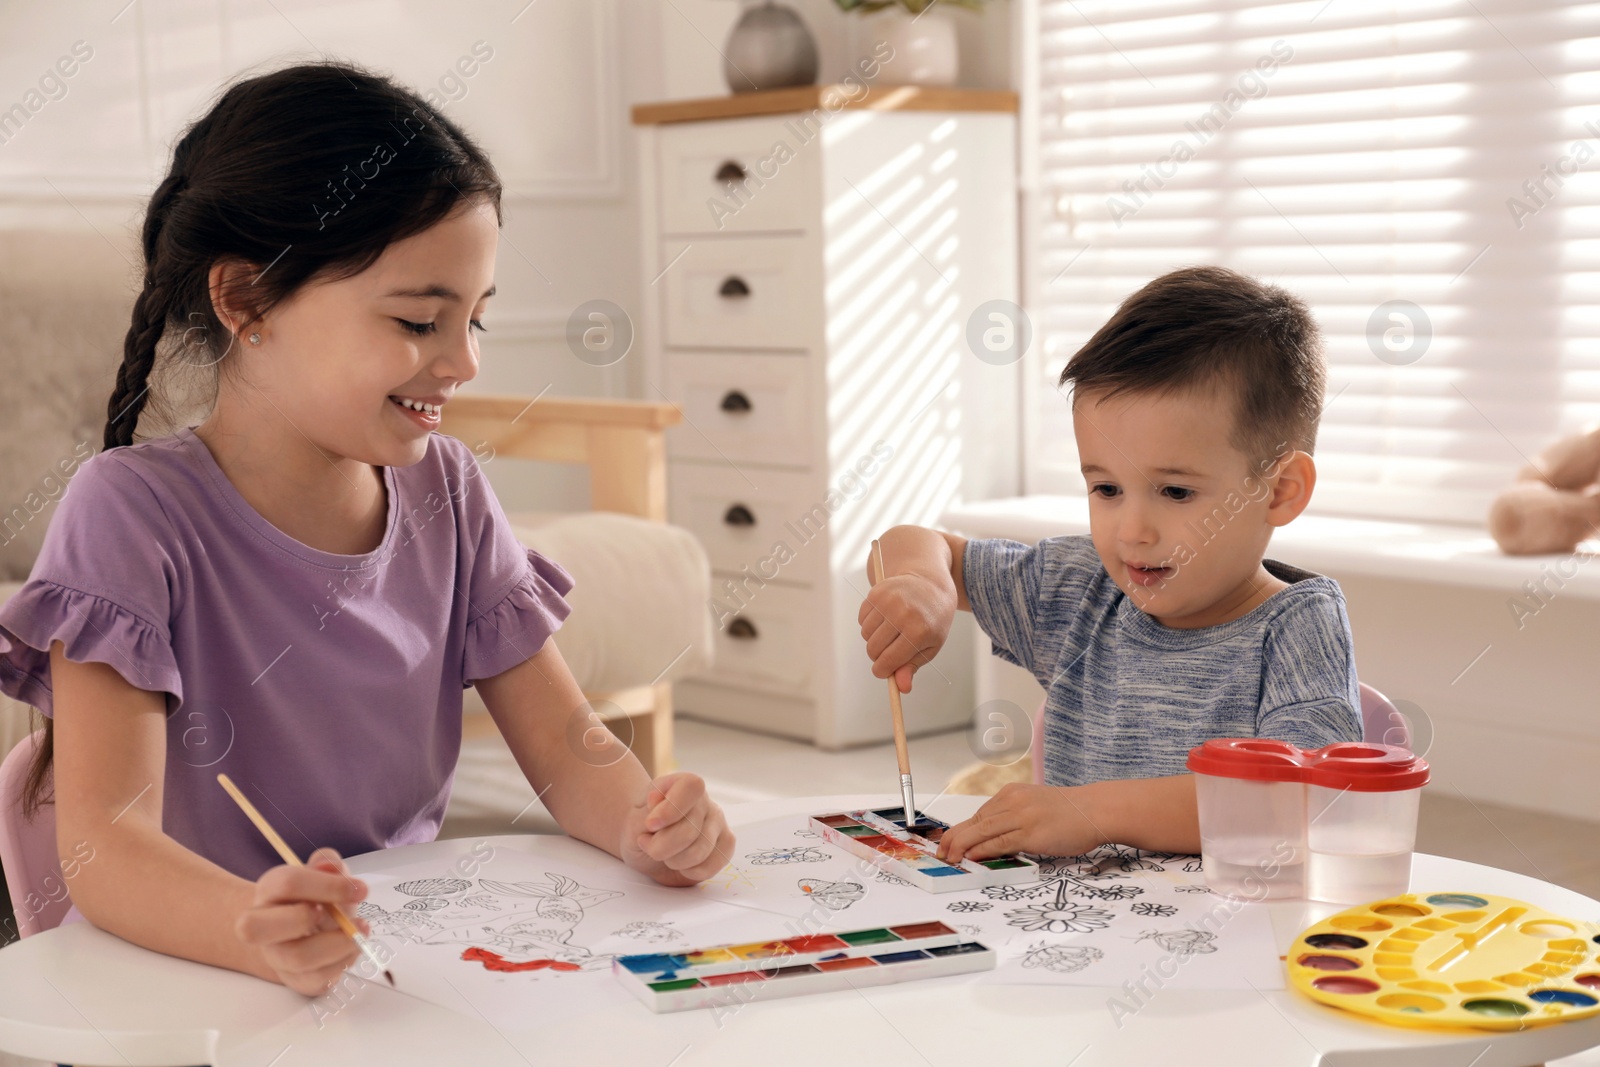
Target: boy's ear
<point>1295,478</point>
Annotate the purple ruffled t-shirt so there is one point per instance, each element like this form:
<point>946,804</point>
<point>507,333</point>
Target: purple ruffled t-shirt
<point>327,686</point>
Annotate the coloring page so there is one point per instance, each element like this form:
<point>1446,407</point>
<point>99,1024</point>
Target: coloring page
<point>1112,916</point>
<point>1126,918</point>
<point>523,940</point>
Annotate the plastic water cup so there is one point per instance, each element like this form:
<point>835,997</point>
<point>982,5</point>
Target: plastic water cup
<point>1252,806</point>
<point>1361,820</point>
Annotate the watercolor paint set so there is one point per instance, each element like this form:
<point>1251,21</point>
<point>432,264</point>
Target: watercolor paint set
<point>882,838</point>
<point>1451,960</point>
<point>808,963</point>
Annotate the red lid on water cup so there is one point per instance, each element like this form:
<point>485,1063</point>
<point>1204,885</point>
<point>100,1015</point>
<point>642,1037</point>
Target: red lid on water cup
<point>1258,759</point>
<point>1354,765</point>
<point>1363,768</point>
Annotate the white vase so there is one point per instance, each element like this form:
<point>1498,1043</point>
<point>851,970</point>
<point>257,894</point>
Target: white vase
<point>925,48</point>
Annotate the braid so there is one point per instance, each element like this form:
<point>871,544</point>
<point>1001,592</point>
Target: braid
<point>150,314</point>
<point>138,358</point>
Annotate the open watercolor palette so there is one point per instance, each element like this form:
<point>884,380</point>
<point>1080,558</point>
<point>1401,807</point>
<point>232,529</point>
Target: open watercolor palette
<point>810,963</point>
<point>1451,960</point>
<point>881,838</point>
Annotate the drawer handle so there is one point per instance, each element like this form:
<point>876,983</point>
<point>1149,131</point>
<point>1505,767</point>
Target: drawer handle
<point>731,172</point>
<point>739,515</point>
<point>735,402</point>
<point>734,286</point>
<point>742,629</point>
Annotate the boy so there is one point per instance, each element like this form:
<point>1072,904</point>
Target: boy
<point>1195,409</point>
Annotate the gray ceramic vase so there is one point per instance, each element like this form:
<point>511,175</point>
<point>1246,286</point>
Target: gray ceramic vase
<point>769,48</point>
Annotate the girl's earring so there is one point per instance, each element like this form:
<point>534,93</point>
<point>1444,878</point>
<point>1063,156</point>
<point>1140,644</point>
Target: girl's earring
<point>255,338</point>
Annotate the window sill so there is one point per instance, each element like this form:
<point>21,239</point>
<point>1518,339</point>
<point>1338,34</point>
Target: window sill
<point>1455,555</point>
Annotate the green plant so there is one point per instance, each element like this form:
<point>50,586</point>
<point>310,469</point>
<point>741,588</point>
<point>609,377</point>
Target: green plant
<point>916,7</point>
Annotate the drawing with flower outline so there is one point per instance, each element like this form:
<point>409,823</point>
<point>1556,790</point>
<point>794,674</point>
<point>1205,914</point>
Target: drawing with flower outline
<point>1061,917</point>
<point>969,905</point>
<point>1150,909</point>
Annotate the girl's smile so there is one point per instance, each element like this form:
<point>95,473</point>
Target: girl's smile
<point>422,412</point>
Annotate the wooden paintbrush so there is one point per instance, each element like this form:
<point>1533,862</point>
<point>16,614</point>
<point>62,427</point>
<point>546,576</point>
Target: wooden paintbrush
<point>904,757</point>
<point>289,857</point>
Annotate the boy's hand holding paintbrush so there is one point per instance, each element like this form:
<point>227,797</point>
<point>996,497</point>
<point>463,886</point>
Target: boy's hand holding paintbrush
<point>906,616</point>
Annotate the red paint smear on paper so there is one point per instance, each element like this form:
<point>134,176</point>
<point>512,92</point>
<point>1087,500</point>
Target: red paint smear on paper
<point>493,961</point>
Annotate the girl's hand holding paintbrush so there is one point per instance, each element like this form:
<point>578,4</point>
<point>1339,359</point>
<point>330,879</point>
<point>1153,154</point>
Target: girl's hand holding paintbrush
<point>290,924</point>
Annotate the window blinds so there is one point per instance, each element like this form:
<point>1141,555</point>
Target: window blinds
<point>1423,173</point>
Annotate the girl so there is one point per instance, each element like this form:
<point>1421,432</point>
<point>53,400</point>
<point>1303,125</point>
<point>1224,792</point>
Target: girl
<point>297,590</point>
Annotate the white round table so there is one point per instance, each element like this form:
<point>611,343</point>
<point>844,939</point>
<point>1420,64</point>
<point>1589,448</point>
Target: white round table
<point>82,996</point>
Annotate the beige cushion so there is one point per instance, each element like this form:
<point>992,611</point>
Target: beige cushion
<point>639,597</point>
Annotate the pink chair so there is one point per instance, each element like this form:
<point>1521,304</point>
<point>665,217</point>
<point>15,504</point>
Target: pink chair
<point>1381,724</point>
<point>28,850</point>
<point>1381,721</point>
<point>1036,751</point>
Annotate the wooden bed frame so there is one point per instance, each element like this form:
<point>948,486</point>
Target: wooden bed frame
<point>623,443</point>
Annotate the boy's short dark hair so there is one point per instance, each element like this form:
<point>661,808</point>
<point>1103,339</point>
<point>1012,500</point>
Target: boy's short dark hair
<point>1210,326</point>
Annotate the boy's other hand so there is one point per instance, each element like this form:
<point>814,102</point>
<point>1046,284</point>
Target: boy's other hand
<point>676,833</point>
<point>1044,820</point>
<point>905,620</point>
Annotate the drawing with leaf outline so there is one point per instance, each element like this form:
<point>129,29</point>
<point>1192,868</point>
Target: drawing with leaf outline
<point>649,931</point>
<point>1184,943</point>
<point>835,896</point>
<point>789,854</point>
<point>1062,959</point>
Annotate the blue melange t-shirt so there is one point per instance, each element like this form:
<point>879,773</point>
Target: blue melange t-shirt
<point>1127,697</point>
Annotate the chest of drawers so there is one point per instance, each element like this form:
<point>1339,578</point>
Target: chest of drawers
<point>812,264</point>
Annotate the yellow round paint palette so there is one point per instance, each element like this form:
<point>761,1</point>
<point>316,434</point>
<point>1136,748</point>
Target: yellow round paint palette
<point>1451,960</point>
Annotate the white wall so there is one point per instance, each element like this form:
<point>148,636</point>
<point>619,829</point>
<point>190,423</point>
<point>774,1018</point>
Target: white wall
<point>1508,712</point>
